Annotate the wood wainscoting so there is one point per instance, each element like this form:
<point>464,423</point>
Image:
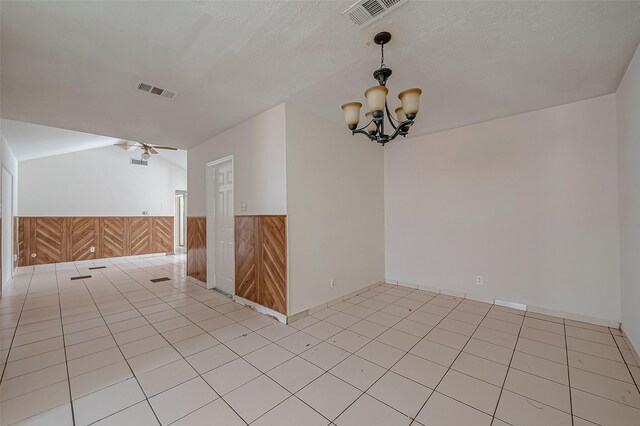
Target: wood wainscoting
<point>197,248</point>
<point>261,260</point>
<point>64,239</point>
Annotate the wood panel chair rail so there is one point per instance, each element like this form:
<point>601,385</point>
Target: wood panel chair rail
<point>43,240</point>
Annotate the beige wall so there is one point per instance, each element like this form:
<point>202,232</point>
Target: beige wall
<point>258,147</point>
<point>628,101</point>
<point>335,210</point>
<point>98,182</point>
<point>529,202</point>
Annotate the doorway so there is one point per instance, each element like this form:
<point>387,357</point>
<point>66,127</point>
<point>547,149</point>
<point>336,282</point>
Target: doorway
<point>181,223</point>
<point>7,225</point>
<point>220,226</point>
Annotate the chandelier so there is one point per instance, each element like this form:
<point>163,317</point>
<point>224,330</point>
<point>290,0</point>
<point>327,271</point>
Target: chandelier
<point>378,105</point>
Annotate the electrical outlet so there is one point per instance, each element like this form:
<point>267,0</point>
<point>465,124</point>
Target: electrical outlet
<point>479,280</point>
<point>333,283</point>
<point>92,249</point>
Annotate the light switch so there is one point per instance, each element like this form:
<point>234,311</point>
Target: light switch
<point>243,206</point>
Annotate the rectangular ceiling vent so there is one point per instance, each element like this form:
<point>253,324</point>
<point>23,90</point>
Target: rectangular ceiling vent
<point>145,87</point>
<point>366,12</point>
<point>139,162</point>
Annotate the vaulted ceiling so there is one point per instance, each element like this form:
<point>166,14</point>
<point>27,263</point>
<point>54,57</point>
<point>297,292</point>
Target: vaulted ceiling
<point>76,65</point>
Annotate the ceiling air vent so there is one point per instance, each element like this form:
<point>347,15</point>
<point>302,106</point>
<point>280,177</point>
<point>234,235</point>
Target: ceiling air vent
<point>366,12</point>
<point>138,162</point>
<point>145,87</point>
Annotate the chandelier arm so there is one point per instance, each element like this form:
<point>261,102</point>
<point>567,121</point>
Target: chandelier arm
<point>386,106</point>
<point>401,126</point>
<point>361,129</point>
<point>367,134</point>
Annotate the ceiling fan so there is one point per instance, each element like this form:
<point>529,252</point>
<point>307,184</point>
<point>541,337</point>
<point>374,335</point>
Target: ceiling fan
<point>146,148</point>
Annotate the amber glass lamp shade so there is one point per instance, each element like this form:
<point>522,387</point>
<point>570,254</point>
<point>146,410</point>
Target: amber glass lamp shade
<point>400,115</point>
<point>410,102</point>
<point>371,128</point>
<point>352,114</point>
<point>376,97</point>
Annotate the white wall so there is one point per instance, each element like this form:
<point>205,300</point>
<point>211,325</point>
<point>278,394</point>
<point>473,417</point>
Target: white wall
<point>628,102</point>
<point>335,210</point>
<point>98,182</point>
<point>529,202</point>
<point>10,163</point>
<point>258,147</point>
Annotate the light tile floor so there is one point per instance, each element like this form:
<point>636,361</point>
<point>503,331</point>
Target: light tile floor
<point>118,349</point>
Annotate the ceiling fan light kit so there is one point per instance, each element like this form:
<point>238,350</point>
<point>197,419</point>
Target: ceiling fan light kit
<point>378,105</point>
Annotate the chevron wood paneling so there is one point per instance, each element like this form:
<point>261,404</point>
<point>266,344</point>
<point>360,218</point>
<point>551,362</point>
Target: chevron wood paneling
<point>16,240</point>
<point>63,239</point>
<point>51,245</point>
<point>246,248</point>
<point>197,248</point>
<point>162,234</point>
<point>84,231</point>
<point>261,260</point>
<point>113,236</point>
<point>21,250</point>
<point>140,240</point>
<point>273,284</point>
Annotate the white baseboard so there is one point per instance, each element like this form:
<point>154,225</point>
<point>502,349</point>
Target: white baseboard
<point>511,304</point>
<point>337,300</point>
<point>262,309</point>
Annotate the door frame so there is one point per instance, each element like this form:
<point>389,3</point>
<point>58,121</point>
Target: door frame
<point>10,225</point>
<point>210,225</point>
<point>176,226</point>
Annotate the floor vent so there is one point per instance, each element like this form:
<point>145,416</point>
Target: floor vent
<point>366,12</point>
<point>146,87</point>
<point>159,280</point>
<point>81,277</point>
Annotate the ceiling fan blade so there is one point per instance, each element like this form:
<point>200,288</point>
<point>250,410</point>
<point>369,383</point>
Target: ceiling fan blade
<point>164,147</point>
<point>127,144</point>
<point>153,151</point>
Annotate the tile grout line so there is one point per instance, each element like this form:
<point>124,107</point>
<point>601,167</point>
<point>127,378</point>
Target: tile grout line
<point>169,344</point>
<point>188,296</point>
<point>564,324</point>
<point>64,347</point>
<point>294,394</point>
<point>24,301</point>
<point>389,369</point>
<point>105,324</point>
<point>321,341</point>
<point>625,362</point>
<point>124,357</point>
<point>328,371</point>
<point>495,411</point>
<point>454,360</point>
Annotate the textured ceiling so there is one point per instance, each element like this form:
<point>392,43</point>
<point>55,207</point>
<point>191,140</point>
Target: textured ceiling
<point>29,141</point>
<point>75,65</point>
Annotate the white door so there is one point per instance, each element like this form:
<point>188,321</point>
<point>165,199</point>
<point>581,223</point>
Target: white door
<point>7,225</point>
<point>220,222</point>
